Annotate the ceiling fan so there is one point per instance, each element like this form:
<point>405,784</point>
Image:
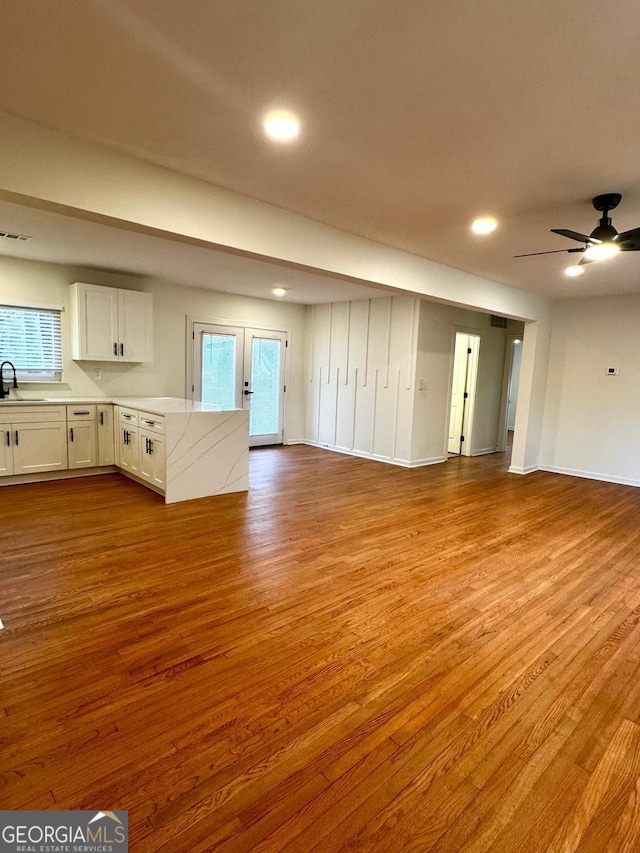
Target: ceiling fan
<point>604,241</point>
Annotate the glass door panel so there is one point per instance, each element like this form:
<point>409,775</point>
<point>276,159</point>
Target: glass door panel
<point>218,355</point>
<point>265,382</point>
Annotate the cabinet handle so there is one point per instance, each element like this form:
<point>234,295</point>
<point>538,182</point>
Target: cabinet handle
<point>128,417</point>
<point>121,349</point>
<point>71,433</point>
<point>82,413</point>
<point>101,418</point>
<point>151,423</point>
<point>115,349</point>
<point>17,438</point>
<point>8,439</point>
<point>150,447</point>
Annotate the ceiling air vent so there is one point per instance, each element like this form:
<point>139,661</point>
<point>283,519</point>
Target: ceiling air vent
<point>498,322</point>
<point>7,235</point>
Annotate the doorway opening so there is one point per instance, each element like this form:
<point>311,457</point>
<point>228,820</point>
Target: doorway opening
<point>463,393</point>
<point>238,367</point>
<point>513,358</point>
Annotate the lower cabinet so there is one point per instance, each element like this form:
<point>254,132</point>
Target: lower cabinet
<point>34,440</point>
<point>152,458</point>
<point>81,423</point>
<point>106,438</point>
<point>141,446</point>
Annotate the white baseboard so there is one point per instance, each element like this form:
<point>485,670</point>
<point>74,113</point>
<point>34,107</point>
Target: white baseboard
<point>389,460</point>
<point>514,469</point>
<point>64,474</point>
<point>590,475</point>
<point>485,451</point>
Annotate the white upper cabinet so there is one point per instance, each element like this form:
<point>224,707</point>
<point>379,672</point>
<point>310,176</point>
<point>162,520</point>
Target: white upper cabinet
<point>109,324</point>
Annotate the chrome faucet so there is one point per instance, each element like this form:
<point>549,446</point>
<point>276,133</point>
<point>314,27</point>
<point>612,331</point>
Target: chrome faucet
<point>4,392</point>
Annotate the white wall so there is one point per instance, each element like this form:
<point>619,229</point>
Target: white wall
<point>591,423</point>
<point>29,281</point>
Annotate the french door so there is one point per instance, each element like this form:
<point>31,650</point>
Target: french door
<point>242,368</point>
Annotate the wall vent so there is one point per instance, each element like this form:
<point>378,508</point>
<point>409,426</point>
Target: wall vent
<point>7,235</point>
<point>498,322</point>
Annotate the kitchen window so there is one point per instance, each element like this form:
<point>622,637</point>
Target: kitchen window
<point>31,339</point>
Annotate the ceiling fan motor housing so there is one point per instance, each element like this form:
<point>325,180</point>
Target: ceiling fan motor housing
<point>607,202</point>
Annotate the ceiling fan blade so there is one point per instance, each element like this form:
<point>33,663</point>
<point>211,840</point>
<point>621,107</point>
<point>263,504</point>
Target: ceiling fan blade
<point>552,252</point>
<point>573,235</point>
<point>629,240</point>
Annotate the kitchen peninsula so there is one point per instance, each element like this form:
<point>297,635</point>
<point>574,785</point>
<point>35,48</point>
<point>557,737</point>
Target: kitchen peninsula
<point>182,449</point>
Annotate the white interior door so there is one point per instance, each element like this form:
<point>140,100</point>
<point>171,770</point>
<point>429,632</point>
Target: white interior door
<point>242,368</point>
<point>458,390</point>
<point>463,393</point>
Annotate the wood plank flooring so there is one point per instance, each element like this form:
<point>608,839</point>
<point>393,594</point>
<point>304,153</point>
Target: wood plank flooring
<point>352,656</point>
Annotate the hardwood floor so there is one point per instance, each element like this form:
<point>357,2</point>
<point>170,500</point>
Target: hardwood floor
<point>353,656</point>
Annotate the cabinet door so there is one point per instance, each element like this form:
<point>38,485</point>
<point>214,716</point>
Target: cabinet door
<point>6,450</point>
<point>106,443</point>
<point>128,449</point>
<point>39,447</point>
<point>152,458</point>
<point>82,444</point>
<point>135,326</point>
<point>94,311</point>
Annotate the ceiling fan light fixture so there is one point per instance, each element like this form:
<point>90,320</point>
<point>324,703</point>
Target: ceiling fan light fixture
<point>601,252</point>
<point>484,225</point>
<point>574,271</point>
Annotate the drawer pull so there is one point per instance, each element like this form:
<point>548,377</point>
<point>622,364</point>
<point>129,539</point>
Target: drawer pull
<point>82,413</point>
<point>151,423</point>
<point>125,415</point>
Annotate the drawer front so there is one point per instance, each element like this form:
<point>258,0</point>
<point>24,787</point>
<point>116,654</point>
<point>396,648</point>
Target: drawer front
<point>81,413</point>
<point>155,423</point>
<point>32,414</point>
<point>128,416</point>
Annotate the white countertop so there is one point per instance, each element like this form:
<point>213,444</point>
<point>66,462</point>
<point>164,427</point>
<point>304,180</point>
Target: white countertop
<point>156,405</point>
<point>166,405</point>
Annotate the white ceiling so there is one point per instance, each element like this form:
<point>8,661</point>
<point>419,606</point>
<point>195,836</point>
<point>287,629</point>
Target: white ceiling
<point>416,118</point>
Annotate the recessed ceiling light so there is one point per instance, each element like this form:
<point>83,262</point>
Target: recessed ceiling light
<point>279,291</point>
<point>517,341</point>
<point>281,126</point>
<point>574,271</point>
<point>484,225</point>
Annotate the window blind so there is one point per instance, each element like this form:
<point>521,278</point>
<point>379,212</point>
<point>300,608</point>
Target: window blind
<point>31,339</point>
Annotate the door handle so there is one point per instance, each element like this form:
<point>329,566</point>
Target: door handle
<point>247,392</point>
